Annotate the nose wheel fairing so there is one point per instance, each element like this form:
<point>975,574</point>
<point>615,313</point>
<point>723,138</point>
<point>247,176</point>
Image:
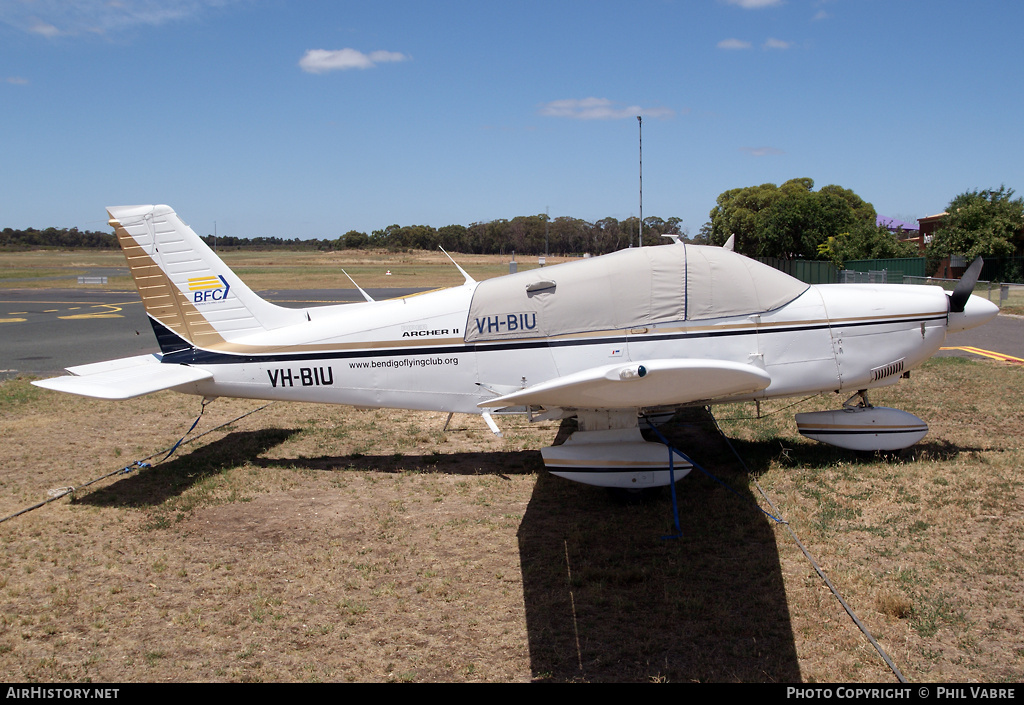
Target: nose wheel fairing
<point>860,426</point>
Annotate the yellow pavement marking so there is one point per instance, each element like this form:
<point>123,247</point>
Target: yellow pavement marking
<point>987,353</point>
<point>81,316</point>
<point>70,303</point>
<point>111,313</point>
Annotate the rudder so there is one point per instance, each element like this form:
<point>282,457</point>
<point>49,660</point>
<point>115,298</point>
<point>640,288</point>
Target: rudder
<point>184,286</point>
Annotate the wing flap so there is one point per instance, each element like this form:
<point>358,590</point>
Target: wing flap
<point>649,383</point>
<point>125,378</point>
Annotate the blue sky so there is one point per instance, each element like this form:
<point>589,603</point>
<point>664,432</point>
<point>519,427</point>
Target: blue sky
<point>310,118</point>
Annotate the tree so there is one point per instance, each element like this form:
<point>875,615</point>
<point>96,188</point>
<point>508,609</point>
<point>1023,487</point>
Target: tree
<point>872,243</point>
<point>353,239</point>
<point>704,235</point>
<point>788,221</point>
<point>988,222</point>
<point>738,212</point>
<point>569,235</point>
<point>453,238</point>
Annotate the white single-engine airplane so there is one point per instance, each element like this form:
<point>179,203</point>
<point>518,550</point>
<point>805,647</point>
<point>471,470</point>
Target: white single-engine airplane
<point>608,340</point>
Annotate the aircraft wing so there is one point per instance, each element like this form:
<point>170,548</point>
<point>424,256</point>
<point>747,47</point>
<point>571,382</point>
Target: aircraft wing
<point>124,378</point>
<point>639,384</point>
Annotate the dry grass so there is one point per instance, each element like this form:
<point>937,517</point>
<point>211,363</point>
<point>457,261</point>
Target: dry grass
<point>1014,302</point>
<point>274,270</point>
<point>927,543</point>
<point>314,543</point>
<point>51,268</point>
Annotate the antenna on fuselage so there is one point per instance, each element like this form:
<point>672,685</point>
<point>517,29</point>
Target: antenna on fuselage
<point>469,279</point>
<point>365,295</point>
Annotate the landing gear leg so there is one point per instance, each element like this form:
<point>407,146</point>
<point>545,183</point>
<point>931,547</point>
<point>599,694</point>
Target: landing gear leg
<point>862,403</point>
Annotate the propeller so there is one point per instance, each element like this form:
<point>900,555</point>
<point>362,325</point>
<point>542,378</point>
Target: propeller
<point>964,287</point>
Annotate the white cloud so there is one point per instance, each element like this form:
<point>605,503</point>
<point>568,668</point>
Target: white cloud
<point>740,44</point>
<point>322,60</point>
<point>599,109</point>
<point>753,4</point>
<point>762,151</point>
<point>16,80</point>
<point>44,28</point>
<point>733,44</point>
<point>53,18</point>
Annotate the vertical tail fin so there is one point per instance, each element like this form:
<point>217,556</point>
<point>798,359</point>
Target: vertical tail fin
<point>185,287</point>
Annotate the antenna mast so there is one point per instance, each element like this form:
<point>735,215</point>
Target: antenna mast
<point>640,120</point>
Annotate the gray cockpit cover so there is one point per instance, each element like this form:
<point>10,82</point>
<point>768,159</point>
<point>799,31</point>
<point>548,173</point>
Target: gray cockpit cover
<point>626,289</point>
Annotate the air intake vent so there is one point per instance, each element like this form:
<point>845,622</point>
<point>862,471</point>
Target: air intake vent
<point>893,368</point>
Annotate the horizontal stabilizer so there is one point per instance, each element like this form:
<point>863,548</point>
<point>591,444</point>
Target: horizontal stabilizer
<point>125,378</point>
<point>649,383</point>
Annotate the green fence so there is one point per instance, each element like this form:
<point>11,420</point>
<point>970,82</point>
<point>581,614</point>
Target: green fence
<point>808,271</point>
<point>1004,269</point>
<point>997,269</point>
<point>905,266</point>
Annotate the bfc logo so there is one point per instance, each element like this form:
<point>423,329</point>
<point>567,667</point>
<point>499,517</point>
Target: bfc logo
<point>208,289</point>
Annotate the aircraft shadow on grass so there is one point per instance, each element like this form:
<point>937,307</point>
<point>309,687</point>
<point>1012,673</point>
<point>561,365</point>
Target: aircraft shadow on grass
<point>607,598</point>
<point>150,486</point>
<point>610,592</point>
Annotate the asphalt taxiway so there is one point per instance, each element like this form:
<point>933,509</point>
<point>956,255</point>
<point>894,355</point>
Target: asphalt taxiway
<point>42,331</point>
